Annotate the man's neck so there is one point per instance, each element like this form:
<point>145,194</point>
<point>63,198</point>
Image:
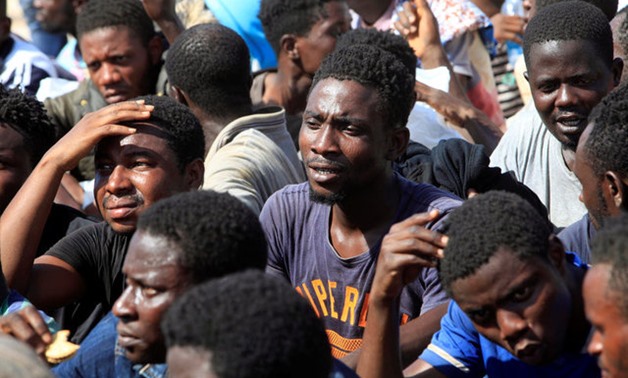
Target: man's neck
<point>569,157</point>
<point>359,222</point>
<point>287,88</point>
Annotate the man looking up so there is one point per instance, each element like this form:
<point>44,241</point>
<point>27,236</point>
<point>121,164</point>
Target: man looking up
<point>516,305</point>
<point>302,33</point>
<point>325,235</point>
<point>250,154</point>
<point>605,299</point>
<point>146,150</point>
<point>568,49</point>
<point>602,167</point>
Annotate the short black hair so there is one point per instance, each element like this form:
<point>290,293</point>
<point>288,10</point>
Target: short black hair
<point>607,145</point>
<point>609,7</point>
<point>570,21</point>
<point>281,17</point>
<point>217,234</point>
<point>386,40</point>
<point>487,223</point>
<point>255,325</point>
<point>376,68</point>
<point>98,14</point>
<point>211,63</point>
<point>184,132</point>
<point>610,246</point>
<point>28,117</point>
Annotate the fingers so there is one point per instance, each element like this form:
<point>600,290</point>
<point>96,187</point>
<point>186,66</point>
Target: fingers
<point>420,219</point>
<point>28,326</point>
<point>124,111</point>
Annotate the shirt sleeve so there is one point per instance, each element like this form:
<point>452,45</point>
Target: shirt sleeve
<point>455,350</point>
<point>81,250</point>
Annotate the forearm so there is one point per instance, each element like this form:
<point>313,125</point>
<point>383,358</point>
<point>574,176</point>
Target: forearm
<point>171,27</point>
<point>416,335</point>
<point>435,57</point>
<point>23,222</point>
<point>380,355</point>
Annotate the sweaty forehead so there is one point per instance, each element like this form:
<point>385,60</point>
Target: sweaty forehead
<point>151,251</point>
<point>148,136</point>
<point>579,53</point>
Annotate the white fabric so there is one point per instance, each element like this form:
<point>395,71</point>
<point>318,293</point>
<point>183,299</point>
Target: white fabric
<point>20,62</point>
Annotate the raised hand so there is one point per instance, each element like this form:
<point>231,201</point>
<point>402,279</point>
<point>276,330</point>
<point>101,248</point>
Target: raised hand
<point>508,28</point>
<point>419,27</point>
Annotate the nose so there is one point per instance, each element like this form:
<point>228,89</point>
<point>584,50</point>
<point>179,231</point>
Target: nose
<point>124,307</point>
<point>565,96</point>
<point>118,182</point>
<point>511,325</point>
<point>108,74</point>
<point>595,344</point>
<point>324,141</point>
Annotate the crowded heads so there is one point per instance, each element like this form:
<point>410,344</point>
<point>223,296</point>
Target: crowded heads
<point>506,271</point>
<point>605,293</point>
<point>25,135</point>
<point>120,48</point>
<point>163,157</point>
<point>601,159</point>
<point>245,325</point>
<point>181,241</point>
<point>568,48</point>
<point>209,66</point>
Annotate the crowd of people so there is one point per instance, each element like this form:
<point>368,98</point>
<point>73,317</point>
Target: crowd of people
<point>314,188</point>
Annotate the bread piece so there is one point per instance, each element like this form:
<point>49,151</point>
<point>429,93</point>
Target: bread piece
<point>60,349</point>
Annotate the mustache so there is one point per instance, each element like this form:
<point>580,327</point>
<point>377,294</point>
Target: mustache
<point>323,161</point>
<point>135,198</point>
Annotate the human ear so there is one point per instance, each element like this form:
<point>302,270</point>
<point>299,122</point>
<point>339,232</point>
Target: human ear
<point>556,253</point>
<point>194,174</point>
<point>397,143</point>
<point>155,49</point>
<point>288,46</point>
<point>614,186</point>
<point>617,69</point>
<point>178,94</point>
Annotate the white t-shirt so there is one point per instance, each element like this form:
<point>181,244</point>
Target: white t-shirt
<point>535,158</point>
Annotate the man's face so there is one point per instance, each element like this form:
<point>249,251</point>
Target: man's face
<point>154,280</point>
<point>134,172</point>
<point>321,39</point>
<point>567,79</point>
<point>343,139</point>
<point>15,164</point>
<point>523,306</point>
<point>188,362</point>
<point>119,64</point>
<point>55,15</point>
<point>610,338</point>
<point>592,194</point>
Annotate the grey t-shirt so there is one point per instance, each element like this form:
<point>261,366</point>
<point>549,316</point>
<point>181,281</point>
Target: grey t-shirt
<point>534,156</point>
<point>577,238</point>
<point>337,288</point>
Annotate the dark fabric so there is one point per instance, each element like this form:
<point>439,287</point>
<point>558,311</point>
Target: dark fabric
<point>97,254</point>
<point>456,165</point>
<point>62,221</point>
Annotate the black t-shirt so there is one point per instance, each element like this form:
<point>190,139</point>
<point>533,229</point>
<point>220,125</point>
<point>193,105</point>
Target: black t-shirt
<point>97,254</point>
<point>62,221</point>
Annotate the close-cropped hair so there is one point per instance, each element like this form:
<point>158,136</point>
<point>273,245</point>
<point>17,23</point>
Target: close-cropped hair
<point>99,14</point>
<point>393,43</point>
<point>252,325</point>
<point>211,64</point>
<point>216,234</point>
<point>574,20</point>
<point>610,247</point>
<point>607,145</point>
<point>375,68</point>
<point>183,132</point>
<point>609,7</point>
<point>28,117</point>
<point>489,223</point>
<point>281,17</point>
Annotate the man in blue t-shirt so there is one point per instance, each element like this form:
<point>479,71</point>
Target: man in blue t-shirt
<point>518,307</point>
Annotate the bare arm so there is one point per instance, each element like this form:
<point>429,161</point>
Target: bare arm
<point>163,13</point>
<point>406,249</point>
<point>23,221</point>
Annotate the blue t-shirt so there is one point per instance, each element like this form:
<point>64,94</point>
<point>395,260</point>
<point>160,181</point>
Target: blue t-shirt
<point>458,350</point>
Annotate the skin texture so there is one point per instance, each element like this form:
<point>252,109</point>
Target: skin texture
<point>154,279</point>
<point>610,338</point>
<point>132,173</point>
<point>567,79</point>
<point>522,305</point>
<point>119,64</point>
<point>15,164</point>
<point>187,362</point>
<point>342,139</point>
<point>55,15</point>
<point>321,40</point>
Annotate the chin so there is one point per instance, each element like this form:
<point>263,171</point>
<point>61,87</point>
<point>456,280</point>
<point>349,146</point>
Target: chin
<point>326,198</point>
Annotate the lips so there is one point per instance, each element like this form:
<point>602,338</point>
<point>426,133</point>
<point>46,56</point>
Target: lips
<point>322,173</point>
<point>120,209</point>
<point>113,96</point>
<point>127,339</point>
<point>571,124</point>
<point>528,352</point>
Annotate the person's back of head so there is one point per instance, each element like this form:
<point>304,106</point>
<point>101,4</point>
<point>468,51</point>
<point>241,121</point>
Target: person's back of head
<point>210,65</point>
<point>19,360</point>
<point>609,7</point>
<point>25,136</point>
<point>245,325</point>
<point>393,43</point>
<point>573,20</point>
<point>215,233</point>
<point>375,68</point>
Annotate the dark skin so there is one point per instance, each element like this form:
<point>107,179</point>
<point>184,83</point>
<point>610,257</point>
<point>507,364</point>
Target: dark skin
<point>369,10</point>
